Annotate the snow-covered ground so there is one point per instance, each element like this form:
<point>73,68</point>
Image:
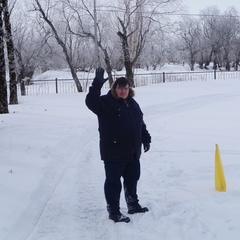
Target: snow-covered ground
<point>51,177</point>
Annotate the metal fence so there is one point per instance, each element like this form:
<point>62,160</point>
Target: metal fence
<point>40,87</point>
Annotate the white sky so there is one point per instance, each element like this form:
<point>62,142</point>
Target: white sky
<point>196,6</point>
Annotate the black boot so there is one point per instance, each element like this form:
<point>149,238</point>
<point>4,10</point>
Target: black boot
<point>137,209</point>
<point>119,217</point>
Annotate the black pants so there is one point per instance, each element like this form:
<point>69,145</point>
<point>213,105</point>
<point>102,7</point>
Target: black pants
<point>130,171</point>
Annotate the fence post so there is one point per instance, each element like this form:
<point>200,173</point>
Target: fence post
<point>56,82</point>
<point>163,77</point>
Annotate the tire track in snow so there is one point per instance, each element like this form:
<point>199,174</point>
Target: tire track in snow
<point>59,195</point>
<point>62,205</point>
<point>75,209</point>
<point>174,213</point>
<point>186,104</point>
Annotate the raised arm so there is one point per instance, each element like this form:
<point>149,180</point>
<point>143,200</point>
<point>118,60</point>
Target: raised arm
<point>93,100</point>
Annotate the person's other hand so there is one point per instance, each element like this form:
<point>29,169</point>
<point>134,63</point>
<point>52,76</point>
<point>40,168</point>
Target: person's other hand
<point>146,146</point>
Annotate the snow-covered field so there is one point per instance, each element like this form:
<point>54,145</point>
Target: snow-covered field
<point>51,178</point>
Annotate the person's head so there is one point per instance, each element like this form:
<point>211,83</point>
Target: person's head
<point>121,88</point>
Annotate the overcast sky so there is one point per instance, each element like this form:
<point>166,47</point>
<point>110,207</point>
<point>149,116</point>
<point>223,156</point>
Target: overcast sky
<point>196,6</point>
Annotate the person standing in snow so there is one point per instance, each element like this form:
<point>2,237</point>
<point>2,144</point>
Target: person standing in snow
<point>122,133</point>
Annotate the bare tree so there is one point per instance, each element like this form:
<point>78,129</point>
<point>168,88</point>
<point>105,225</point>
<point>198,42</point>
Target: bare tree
<point>13,98</point>
<point>61,42</point>
<point>3,81</point>
<point>136,20</point>
<point>132,33</point>
<point>32,52</point>
<point>190,32</point>
<point>236,52</point>
<point>36,50</point>
<point>212,28</point>
<point>84,30</point>
<point>154,52</point>
<point>229,32</point>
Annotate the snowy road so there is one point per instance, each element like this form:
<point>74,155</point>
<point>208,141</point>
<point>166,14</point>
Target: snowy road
<point>55,190</point>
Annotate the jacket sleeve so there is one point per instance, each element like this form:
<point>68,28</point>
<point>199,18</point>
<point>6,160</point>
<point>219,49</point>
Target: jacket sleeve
<point>93,100</point>
<point>146,137</point>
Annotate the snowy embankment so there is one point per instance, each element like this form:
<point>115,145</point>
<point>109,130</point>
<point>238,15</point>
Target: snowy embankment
<point>51,179</point>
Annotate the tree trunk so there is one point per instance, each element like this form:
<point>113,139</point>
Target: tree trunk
<point>237,61</point>
<point>3,81</point>
<point>201,61</point>
<point>192,61</point>
<point>215,61</point>
<point>13,99</point>
<point>226,59</point>
<point>127,62</point>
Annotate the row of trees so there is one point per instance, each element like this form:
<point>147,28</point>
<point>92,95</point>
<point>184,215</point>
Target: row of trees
<point>211,38</point>
<point>53,34</point>
<point>121,36</point>
<point>139,33</point>
<point>56,34</point>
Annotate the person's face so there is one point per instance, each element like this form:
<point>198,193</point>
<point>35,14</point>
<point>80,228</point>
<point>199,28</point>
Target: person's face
<point>122,92</point>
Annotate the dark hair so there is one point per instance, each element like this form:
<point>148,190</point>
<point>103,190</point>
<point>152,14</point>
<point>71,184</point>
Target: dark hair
<point>121,82</point>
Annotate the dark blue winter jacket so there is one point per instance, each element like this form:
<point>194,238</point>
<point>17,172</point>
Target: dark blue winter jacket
<point>121,127</point>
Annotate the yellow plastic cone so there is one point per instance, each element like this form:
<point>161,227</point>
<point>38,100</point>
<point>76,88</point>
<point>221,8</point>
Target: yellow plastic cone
<point>220,183</point>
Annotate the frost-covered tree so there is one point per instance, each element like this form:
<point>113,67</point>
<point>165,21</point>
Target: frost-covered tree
<point>62,34</point>
<point>229,32</point>
<point>212,27</point>
<point>84,28</point>
<point>35,50</point>
<point>133,34</point>
<point>221,33</point>
<point>236,52</point>
<point>136,20</point>
<point>190,34</point>
<point>154,53</point>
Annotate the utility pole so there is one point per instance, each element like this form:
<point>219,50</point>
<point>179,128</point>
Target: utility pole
<point>95,35</point>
